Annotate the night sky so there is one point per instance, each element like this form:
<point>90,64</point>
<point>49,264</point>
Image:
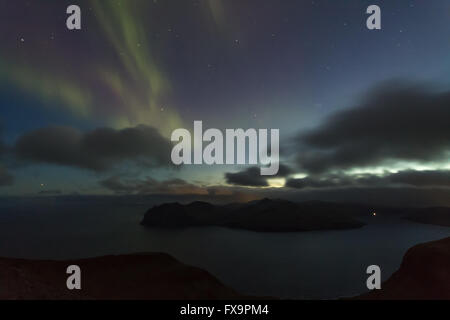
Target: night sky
<point>362,113</point>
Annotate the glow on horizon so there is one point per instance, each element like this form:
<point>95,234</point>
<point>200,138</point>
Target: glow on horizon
<point>299,176</point>
<point>276,182</point>
<point>398,167</point>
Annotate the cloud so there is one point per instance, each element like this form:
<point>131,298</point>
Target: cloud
<point>411,178</point>
<point>151,186</point>
<point>320,182</point>
<point>98,150</point>
<point>396,122</point>
<point>284,171</point>
<point>422,178</point>
<point>2,148</point>
<point>6,179</point>
<point>252,177</point>
<point>50,192</point>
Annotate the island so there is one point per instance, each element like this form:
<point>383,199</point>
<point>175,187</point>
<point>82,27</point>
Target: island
<point>264,215</point>
<point>439,216</point>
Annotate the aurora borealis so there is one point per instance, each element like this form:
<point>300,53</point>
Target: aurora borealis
<point>90,112</point>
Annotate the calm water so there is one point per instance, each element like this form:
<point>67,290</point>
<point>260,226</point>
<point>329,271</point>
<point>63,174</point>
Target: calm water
<point>326,264</point>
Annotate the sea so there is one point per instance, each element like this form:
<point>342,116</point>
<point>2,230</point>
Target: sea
<point>299,265</point>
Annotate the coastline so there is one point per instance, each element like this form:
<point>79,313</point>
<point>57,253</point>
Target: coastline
<point>158,276</point>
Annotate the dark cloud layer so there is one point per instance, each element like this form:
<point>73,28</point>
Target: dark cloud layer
<point>412,178</point>
<point>395,123</point>
<point>252,177</point>
<point>422,178</point>
<point>98,150</point>
<point>6,179</point>
<point>150,186</point>
<point>2,148</point>
<point>50,192</point>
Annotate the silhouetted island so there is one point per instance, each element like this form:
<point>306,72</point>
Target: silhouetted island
<point>268,215</point>
<point>423,275</point>
<point>439,216</point>
<point>262,215</point>
<point>151,276</point>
